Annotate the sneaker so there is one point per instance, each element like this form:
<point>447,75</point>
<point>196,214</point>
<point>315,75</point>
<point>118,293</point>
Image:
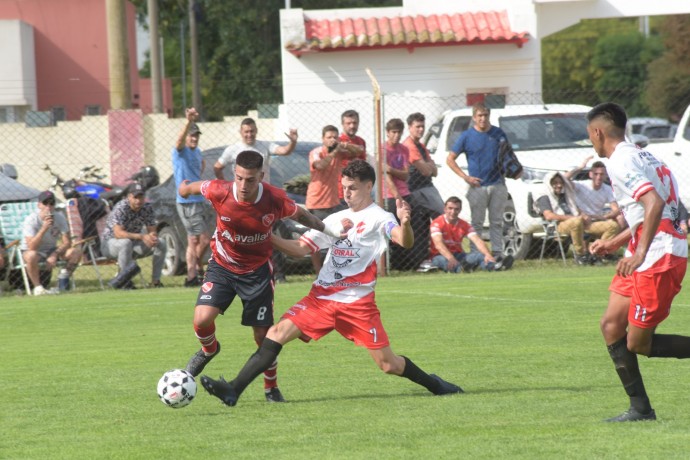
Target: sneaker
<point>504,263</point>
<point>128,286</point>
<point>125,275</point>
<point>200,359</point>
<point>631,415</point>
<point>583,260</point>
<point>40,290</point>
<point>220,389</point>
<point>194,282</point>
<point>445,388</point>
<point>274,395</point>
<point>157,284</point>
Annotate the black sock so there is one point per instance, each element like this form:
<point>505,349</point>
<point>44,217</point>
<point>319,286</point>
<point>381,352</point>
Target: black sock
<point>418,376</point>
<point>628,370</point>
<point>257,363</point>
<point>670,346</point>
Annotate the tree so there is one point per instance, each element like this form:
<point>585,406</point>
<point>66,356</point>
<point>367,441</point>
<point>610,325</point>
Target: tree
<point>668,88</point>
<point>239,49</point>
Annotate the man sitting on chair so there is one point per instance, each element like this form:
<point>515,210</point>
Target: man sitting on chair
<point>123,238</point>
<point>42,231</point>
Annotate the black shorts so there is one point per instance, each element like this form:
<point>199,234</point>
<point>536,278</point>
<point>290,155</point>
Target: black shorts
<point>255,289</point>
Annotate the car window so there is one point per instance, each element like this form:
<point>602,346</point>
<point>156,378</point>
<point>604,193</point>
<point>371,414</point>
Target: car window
<point>457,126</point>
<point>546,131</point>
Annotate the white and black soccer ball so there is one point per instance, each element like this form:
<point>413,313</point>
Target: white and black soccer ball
<point>177,388</point>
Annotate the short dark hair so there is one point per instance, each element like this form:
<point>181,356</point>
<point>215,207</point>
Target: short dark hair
<point>395,124</point>
<point>249,159</point>
<point>454,199</point>
<point>360,169</point>
<point>349,114</point>
<point>328,129</point>
<point>598,164</point>
<point>417,116</point>
<point>248,121</point>
<point>610,112</point>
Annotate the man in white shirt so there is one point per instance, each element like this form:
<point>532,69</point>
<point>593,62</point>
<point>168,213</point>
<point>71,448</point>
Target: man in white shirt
<point>248,131</point>
<point>595,200</point>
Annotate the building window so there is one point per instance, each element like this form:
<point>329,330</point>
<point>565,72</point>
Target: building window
<point>58,114</point>
<point>92,110</point>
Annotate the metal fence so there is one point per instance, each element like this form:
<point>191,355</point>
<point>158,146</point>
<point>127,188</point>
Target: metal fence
<point>109,149</point>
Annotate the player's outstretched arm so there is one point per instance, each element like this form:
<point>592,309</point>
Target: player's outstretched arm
<point>187,188</point>
<point>308,219</point>
<point>403,234</point>
<point>294,248</point>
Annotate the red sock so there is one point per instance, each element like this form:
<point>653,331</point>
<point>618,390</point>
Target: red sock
<point>271,376</point>
<point>207,337</point>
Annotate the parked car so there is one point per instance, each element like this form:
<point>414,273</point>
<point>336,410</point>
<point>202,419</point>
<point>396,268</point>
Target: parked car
<point>545,138</point>
<point>655,129</point>
<point>293,168</point>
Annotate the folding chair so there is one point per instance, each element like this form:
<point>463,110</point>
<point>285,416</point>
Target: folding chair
<point>12,217</point>
<point>549,231</point>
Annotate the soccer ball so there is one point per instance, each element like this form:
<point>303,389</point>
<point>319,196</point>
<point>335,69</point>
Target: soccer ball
<point>177,388</point>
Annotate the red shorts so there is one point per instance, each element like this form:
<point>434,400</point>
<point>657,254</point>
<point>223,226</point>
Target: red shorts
<point>651,294</point>
<point>359,321</point>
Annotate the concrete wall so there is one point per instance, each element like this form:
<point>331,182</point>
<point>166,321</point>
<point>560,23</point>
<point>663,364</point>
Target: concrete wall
<point>95,140</point>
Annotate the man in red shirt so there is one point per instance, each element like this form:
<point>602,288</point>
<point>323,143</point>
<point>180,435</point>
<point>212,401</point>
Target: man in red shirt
<point>447,233</point>
<point>354,144</point>
<point>246,210</point>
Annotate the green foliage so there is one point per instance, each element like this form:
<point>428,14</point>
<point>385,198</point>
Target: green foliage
<point>668,88</point>
<point>80,373</point>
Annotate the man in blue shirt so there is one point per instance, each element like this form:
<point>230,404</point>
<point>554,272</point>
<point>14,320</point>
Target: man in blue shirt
<point>194,211</point>
<point>487,188</point>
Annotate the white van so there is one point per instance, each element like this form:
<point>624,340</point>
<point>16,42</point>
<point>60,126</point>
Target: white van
<point>545,138</point>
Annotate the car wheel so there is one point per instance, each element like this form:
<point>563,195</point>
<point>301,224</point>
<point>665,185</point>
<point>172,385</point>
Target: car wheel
<point>174,257</point>
<point>515,243</point>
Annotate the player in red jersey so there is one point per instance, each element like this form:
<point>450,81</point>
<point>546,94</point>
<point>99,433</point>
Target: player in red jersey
<point>342,297</point>
<point>649,276</point>
<point>246,210</point>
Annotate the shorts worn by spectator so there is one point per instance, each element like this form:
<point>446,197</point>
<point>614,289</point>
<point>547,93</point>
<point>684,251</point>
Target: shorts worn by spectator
<point>130,233</point>
<point>47,240</point>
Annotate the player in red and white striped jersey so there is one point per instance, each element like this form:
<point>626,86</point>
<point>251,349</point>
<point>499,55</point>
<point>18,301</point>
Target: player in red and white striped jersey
<point>342,297</point>
<point>650,275</point>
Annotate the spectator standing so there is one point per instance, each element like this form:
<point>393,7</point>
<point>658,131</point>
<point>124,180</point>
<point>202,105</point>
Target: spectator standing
<point>650,275</point>
<point>448,231</point>
<point>325,165</point>
<point>595,200</point>
<point>248,132</point>
<point>487,188</point>
<point>342,297</point>
<point>425,200</point>
<point>397,168</point>
<point>130,233</point>
<point>355,145</point>
<point>47,239</point>
<point>557,203</point>
<point>246,210</point>
<point>194,211</point>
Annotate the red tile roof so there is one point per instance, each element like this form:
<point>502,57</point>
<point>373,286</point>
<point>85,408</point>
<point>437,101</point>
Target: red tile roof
<point>407,32</point>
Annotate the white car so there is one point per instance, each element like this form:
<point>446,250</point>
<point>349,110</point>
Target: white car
<point>550,137</point>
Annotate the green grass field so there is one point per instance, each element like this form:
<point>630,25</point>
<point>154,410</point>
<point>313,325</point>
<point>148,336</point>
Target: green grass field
<point>80,372</point>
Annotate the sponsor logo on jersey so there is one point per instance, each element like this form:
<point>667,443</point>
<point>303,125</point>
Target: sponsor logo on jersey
<point>360,227</point>
<point>206,297</point>
<point>207,286</point>
<point>342,253</point>
<point>268,219</point>
<point>252,239</point>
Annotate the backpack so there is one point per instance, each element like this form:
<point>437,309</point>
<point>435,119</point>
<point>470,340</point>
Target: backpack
<point>508,164</point>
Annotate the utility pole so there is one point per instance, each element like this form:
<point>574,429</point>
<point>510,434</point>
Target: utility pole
<point>154,41</point>
<point>118,56</point>
<point>194,52</point>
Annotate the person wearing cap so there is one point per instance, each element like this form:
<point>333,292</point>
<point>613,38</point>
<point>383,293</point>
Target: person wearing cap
<point>194,211</point>
<point>47,240</point>
<point>130,233</point>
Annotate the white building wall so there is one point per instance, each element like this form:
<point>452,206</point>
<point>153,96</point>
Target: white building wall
<point>18,70</point>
